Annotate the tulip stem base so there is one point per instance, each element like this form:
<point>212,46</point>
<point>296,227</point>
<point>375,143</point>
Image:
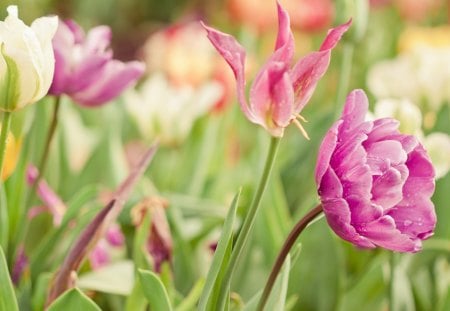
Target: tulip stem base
<point>6,124</point>
<point>285,249</point>
<point>248,222</point>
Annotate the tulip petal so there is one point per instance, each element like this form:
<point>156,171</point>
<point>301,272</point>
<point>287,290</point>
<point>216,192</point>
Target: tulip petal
<point>355,109</point>
<point>234,55</point>
<point>362,211</point>
<point>326,150</point>
<point>284,46</point>
<point>390,150</point>
<point>330,186</point>
<point>383,232</point>
<point>387,188</point>
<point>418,220</point>
<point>337,213</point>
<point>116,77</point>
<point>271,98</point>
<point>310,69</point>
<point>382,128</point>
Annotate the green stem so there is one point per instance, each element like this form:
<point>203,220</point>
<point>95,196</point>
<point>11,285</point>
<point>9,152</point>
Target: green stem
<point>391,296</point>
<point>344,77</point>
<point>287,246</point>
<point>3,139</point>
<point>44,158</point>
<point>248,222</point>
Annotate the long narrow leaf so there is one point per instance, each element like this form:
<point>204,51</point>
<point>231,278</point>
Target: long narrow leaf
<point>8,300</point>
<point>218,265</point>
<point>154,291</point>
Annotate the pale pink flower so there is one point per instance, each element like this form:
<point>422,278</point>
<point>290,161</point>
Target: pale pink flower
<point>279,91</point>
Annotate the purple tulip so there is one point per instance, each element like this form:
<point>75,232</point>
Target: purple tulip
<point>375,183</point>
<point>84,68</point>
<point>279,92</point>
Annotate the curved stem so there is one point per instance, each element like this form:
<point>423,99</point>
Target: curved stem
<point>344,77</point>
<point>248,222</point>
<point>3,139</point>
<point>288,243</point>
<point>44,158</point>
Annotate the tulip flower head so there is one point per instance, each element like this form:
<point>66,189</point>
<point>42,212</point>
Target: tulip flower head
<point>85,69</point>
<point>279,92</point>
<point>375,183</point>
<point>26,60</point>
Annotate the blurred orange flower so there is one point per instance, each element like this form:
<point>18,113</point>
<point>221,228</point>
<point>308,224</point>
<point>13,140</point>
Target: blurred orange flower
<point>12,154</point>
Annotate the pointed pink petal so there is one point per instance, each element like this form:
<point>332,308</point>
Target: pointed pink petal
<point>76,30</point>
<point>271,98</point>
<point>97,40</point>
<point>234,55</point>
<point>334,36</point>
<point>284,46</point>
<point>384,233</point>
<point>309,70</point>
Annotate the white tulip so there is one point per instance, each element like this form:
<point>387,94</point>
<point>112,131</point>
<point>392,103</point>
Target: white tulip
<point>26,60</point>
<point>438,147</point>
<point>167,111</point>
<point>403,110</point>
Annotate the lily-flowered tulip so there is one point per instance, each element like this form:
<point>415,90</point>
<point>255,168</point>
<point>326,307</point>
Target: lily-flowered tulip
<point>375,183</point>
<point>85,69</point>
<point>26,60</point>
<point>279,92</point>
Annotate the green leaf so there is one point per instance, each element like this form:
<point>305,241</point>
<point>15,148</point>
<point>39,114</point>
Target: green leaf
<point>73,300</point>
<point>8,300</point>
<point>220,259</point>
<point>277,299</point>
<point>4,220</point>
<point>116,278</point>
<point>191,299</point>
<point>154,291</point>
<point>136,300</point>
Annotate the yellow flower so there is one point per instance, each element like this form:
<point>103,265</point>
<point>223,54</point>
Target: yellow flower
<point>414,37</point>
<point>11,155</point>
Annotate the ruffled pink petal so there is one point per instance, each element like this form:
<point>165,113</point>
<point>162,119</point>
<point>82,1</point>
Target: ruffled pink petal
<point>326,150</point>
<point>383,232</point>
<point>115,77</point>
<point>387,188</point>
<point>355,110</point>
<point>338,217</point>
<point>381,129</point>
<point>418,220</point>
<point>234,55</point>
<point>330,186</point>
<point>419,164</point>
<point>362,211</point>
<point>357,181</point>
<point>390,150</point>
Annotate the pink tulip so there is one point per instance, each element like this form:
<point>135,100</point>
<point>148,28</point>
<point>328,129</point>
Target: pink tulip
<point>84,67</point>
<point>279,91</point>
<point>375,183</point>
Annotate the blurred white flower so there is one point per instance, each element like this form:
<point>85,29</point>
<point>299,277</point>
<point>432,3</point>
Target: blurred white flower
<point>420,75</point>
<point>79,139</point>
<point>438,147</point>
<point>403,110</point>
<point>168,112</point>
<point>26,59</point>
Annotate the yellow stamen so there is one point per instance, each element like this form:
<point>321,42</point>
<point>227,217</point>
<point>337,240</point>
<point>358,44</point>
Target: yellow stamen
<point>301,118</point>
<point>301,128</point>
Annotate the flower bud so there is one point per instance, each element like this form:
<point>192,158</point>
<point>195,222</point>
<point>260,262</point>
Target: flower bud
<point>26,60</point>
